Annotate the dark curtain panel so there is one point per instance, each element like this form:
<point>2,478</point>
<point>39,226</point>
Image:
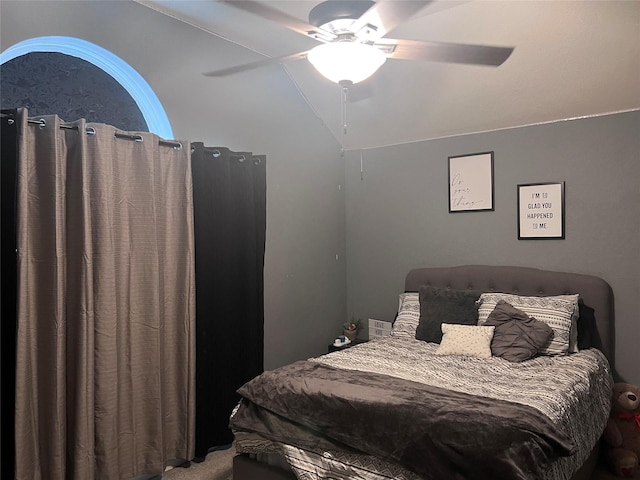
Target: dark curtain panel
<point>9,162</point>
<point>229,190</point>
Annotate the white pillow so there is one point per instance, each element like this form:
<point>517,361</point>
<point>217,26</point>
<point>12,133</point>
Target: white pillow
<point>408,316</point>
<point>560,312</point>
<point>469,340</point>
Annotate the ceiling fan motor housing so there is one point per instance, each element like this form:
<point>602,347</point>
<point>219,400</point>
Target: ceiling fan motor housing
<point>332,10</point>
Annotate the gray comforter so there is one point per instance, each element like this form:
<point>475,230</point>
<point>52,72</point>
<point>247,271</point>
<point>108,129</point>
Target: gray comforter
<point>434,432</point>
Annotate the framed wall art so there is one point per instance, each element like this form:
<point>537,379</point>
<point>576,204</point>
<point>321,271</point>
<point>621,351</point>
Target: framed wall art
<point>541,211</point>
<point>471,182</point>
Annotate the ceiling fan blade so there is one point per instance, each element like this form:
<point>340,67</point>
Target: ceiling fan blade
<point>385,15</point>
<point>261,10</point>
<point>446,52</point>
<point>250,66</point>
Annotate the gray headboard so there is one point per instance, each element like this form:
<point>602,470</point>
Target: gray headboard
<point>595,293</point>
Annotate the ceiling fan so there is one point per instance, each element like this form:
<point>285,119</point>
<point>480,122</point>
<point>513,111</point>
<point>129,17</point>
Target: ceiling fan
<point>352,39</point>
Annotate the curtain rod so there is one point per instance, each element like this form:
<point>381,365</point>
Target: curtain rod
<point>137,138</point>
<point>92,131</point>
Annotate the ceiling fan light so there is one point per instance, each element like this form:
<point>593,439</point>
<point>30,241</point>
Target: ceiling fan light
<point>346,61</point>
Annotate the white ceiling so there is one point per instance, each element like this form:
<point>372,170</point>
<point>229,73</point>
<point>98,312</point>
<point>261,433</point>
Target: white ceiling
<point>571,59</point>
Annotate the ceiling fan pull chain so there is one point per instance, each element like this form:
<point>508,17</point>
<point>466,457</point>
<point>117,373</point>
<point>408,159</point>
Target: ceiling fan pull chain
<point>343,98</point>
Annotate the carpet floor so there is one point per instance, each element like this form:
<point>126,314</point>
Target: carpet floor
<point>216,466</point>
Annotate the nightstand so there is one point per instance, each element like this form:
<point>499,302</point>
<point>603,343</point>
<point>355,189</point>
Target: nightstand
<point>332,348</point>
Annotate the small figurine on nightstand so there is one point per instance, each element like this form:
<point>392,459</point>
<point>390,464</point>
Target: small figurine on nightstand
<point>350,329</point>
<point>341,341</point>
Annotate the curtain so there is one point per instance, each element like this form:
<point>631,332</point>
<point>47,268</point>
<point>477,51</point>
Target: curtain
<point>105,363</point>
<point>9,162</point>
<point>229,190</point>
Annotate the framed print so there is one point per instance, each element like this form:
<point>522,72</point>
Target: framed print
<point>541,211</point>
<point>471,182</point>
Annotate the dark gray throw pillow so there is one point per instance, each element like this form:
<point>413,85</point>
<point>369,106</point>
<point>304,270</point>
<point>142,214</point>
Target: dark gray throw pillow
<point>443,305</point>
<point>517,336</point>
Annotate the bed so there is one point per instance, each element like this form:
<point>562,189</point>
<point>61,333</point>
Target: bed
<point>406,408</point>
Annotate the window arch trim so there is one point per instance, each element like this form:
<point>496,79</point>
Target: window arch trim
<point>144,96</point>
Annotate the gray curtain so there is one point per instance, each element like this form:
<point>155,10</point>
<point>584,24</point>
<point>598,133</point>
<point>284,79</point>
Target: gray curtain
<point>105,362</point>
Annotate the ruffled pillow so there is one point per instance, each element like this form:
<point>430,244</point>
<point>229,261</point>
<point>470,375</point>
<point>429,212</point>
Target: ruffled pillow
<point>517,336</point>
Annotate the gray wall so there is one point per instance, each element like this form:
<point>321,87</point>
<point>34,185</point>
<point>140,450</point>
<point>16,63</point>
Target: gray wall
<point>396,217</point>
<point>305,293</point>
<point>397,214</point>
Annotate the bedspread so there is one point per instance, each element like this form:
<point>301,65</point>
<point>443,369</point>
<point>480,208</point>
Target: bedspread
<point>438,416</point>
<point>426,429</point>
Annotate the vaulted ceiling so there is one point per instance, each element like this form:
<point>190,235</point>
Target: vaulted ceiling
<point>571,59</point>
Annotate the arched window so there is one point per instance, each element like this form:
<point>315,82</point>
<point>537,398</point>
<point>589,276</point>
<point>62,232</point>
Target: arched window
<point>148,104</point>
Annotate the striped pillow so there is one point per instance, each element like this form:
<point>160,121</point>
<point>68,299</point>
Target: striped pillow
<point>559,312</point>
<point>408,316</point>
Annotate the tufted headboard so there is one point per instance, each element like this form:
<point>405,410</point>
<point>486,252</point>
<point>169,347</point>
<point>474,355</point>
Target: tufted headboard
<point>595,293</point>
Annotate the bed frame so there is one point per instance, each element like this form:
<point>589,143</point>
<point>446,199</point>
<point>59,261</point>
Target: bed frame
<point>595,293</point>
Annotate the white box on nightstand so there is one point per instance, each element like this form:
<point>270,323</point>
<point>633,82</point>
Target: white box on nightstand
<point>379,328</point>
